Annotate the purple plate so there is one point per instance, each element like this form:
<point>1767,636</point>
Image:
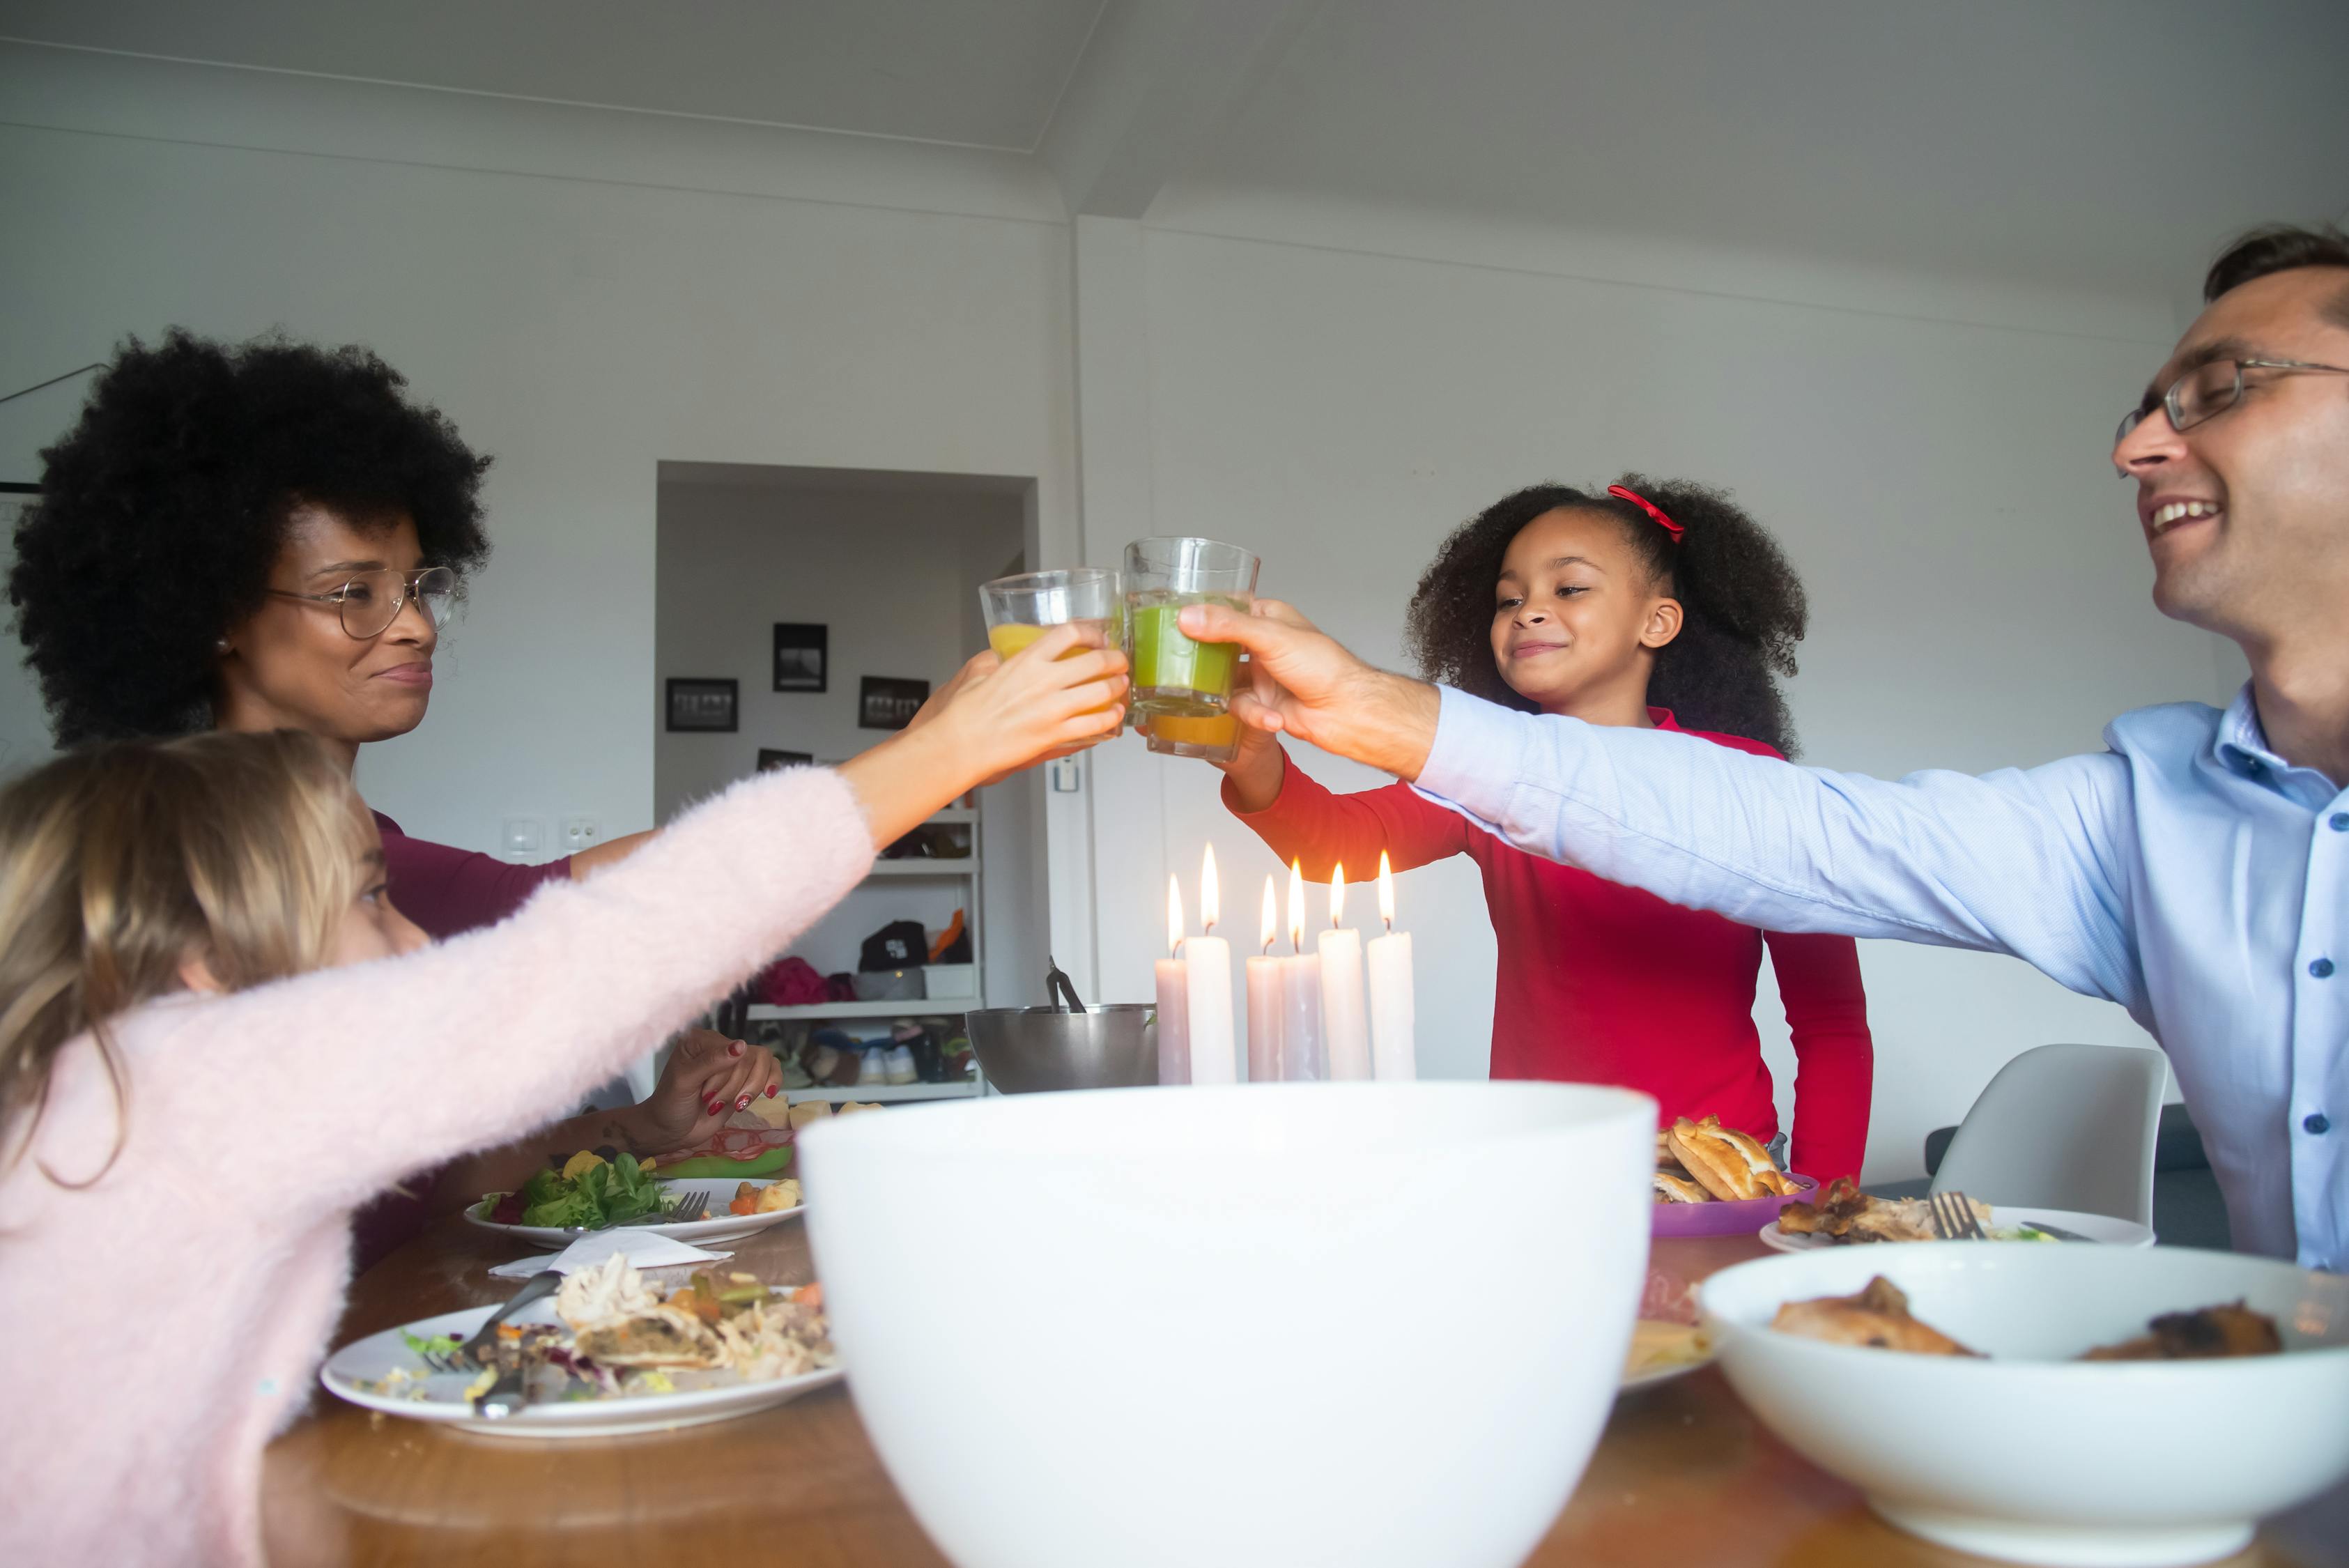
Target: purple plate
<point>1721,1219</point>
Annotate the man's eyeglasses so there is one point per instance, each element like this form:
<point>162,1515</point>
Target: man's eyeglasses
<point>2209,389</point>
<point>370,601</point>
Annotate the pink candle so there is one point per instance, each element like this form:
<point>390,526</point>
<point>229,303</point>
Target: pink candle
<point>1173,976</point>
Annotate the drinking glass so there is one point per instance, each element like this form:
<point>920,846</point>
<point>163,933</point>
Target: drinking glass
<point>1172,674</point>
<point>1212,740</point>
<point>1022,608</point>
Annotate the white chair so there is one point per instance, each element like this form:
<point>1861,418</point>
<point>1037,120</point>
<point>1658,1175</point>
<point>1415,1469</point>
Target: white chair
<point>2064,1126</point>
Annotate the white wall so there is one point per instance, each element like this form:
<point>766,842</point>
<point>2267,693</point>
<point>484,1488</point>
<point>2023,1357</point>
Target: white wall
<point>894,574</point>
<point>1978,594</point>
<point>585,294</point>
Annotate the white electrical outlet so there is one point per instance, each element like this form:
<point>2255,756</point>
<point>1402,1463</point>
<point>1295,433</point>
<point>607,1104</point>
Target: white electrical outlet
<point>581,833</point>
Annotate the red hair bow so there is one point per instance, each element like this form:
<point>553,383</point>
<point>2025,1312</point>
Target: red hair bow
<point>1650,507</point>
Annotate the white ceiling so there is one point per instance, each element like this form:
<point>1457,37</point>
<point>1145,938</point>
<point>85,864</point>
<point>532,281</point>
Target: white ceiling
<point>2076,142</point>
<point>979,73</point>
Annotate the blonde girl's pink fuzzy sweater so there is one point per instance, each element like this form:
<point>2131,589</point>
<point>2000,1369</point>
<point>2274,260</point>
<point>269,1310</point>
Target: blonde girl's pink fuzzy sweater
<point>164,1322</point>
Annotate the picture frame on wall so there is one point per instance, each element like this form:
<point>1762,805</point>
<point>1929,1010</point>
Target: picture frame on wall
<point>771,759</point>
<point>802,653</point>
<point>885,703</point>
<point>697,704</point>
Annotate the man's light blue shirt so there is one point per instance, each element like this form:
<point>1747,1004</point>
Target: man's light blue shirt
<point>2188,873</point>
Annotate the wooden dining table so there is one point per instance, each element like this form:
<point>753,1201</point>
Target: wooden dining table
<point>1683,1473</point>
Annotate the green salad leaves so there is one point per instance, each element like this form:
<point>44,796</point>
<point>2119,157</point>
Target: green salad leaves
<point>602,1195</point>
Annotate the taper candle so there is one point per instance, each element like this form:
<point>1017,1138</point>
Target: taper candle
<point>1174,996</point>
<point>1393,1047</point>
<point>1300,995</point>
<point>1264,997</point>
<point>1215,1045</point>
<point>1345,1032</point>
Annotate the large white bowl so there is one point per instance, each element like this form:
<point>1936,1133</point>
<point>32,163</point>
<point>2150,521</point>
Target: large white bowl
<point>2032,1456</point>
<point>1277,1325</point>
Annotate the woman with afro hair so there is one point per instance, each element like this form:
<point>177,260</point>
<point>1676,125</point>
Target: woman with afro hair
<point>1657,605</point>
<point>271,537</point>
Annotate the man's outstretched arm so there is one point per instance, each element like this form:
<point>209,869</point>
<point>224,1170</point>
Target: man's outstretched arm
<point>2016,862</point>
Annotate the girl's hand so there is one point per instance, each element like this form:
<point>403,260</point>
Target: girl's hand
<point>1062,692</point>
<point>1259,765</point>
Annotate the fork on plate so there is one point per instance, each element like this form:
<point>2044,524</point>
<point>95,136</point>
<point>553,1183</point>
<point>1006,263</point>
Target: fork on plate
<point>464,1358</point>
<point>1954,1219</point>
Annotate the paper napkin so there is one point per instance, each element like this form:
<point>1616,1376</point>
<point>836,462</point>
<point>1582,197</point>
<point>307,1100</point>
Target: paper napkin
<point>644,1248</point>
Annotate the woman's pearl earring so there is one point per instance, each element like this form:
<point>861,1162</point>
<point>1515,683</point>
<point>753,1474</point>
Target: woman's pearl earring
<point>221,647</point>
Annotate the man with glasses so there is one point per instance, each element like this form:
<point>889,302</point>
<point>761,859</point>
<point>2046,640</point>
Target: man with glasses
<point>2197,872</point>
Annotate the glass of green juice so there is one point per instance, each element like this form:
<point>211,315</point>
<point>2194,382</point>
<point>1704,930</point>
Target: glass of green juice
<point>1172,674</point>
<point>1022,608</point>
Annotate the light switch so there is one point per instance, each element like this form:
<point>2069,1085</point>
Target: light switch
<point>581,833</point>
<point>1068,776</point>
<point>521,837</point>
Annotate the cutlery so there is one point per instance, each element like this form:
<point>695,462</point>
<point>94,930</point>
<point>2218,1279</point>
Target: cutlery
<point>505,1397</point>
<point>2057,1232</point>
<point>1954,1218</point>
<point>465,1357</point>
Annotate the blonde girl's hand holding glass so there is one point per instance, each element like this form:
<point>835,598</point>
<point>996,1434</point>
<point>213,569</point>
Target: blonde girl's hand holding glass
<point>1063,692</point>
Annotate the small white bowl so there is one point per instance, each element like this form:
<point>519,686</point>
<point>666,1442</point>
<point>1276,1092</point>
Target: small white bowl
<point>1259,1326</point>
<point>2032,1456</point>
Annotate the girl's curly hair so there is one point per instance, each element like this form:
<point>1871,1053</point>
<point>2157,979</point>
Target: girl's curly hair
<point>1742,602</point>
<point>163,510</point>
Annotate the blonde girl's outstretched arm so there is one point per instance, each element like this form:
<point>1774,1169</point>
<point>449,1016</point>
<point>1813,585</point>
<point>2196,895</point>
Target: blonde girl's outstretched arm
<point>342,1080</point>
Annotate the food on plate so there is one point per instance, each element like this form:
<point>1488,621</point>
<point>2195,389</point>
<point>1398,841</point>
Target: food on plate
<point>619,1335</point>
<point>776,1196</point>
<point>1878,1317</point>
<point>2205,1333</point>
<point>1731,1164</point>
<point>588,1193</point>
<point>1657,1345</point>
<point>1672,1187</point>
<point>1844,1214</point>
<point>1698,1162</point>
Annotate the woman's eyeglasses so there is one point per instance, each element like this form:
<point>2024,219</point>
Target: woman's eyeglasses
<point>2209,389</point>
<point>370,601</point>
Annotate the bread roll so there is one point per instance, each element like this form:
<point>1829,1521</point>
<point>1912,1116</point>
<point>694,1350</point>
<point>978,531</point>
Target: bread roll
<point>1672,1188</point>
<point>1717,1165</point>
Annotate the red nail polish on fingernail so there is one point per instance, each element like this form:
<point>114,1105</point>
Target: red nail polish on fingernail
<point>712,1109</point>
<point>735,1049</point>
<point>770,1090</point>
<point>743,1104</point>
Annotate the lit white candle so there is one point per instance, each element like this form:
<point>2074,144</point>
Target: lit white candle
<point>1215,1045</point>
<point>1300,995</point>
<point>1264,973</point>
<point>1174,996</point>
<point>1345,1032</point>
<point>1393,1047</point>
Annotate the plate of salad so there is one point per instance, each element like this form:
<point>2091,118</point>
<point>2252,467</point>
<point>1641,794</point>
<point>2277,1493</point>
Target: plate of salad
<point>555,1208</point>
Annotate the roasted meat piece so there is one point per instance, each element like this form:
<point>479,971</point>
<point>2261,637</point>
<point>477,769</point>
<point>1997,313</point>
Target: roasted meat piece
<point>1876,1316</point>
<point>2203,1335</point>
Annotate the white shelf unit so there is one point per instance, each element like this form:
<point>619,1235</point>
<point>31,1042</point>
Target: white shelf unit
<point>889,1093</point>
<point>904,1007</point>
<point>965,869</point>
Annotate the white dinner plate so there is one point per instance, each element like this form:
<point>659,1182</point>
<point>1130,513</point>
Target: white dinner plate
<point>442,1394</point>
<point>720,1227</point>
<point>1706,1352</point>
<point>2101,1227</point>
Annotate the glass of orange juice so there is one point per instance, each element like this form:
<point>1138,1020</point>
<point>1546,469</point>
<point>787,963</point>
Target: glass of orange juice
<point>1215,740</point>
<point>1022,608</point>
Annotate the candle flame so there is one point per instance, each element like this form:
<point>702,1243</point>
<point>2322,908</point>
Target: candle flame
<point>1173,915</point>
<point>1338,896</point>
<point>1295,907</point>
<point>1207,899</point>
<point>1270,924</point>
<point>1386,891</point>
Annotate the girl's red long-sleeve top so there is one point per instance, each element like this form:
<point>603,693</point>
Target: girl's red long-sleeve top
<point>1601,984</point>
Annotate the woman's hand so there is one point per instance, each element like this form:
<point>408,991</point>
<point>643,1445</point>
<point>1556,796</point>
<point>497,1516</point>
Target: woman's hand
<point>706,1079</point>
